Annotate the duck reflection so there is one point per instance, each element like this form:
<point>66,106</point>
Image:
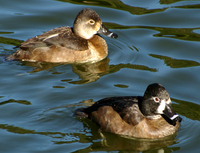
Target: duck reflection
<point>87,72</point>
<point>110,142</point>
<point>90,72</point>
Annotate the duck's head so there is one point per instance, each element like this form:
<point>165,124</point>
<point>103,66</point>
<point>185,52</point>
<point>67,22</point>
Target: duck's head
<point>156,103</point>
<point>88,23</point>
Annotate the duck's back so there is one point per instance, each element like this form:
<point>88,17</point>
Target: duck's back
<point>62,37</point>
<point>124,107</point>
<point>45,45</point>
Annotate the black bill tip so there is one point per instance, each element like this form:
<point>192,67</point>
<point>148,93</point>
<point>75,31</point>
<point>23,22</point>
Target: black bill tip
<point>113,35</point>
<point>178,119</point>
<point>104,31</point>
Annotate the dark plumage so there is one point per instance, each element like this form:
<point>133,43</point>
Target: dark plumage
<point>150,116</point>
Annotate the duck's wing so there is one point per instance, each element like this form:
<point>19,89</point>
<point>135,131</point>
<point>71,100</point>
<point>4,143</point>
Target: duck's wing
<point>127,107</point>
<point>59,37</point>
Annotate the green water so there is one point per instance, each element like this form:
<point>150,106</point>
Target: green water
<point>158,41</point>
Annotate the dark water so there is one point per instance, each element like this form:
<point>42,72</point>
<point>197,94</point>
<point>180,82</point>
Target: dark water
<point>159,41</point>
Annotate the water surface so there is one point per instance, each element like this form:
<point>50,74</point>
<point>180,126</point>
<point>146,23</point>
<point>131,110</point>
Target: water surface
<point>158,41</point>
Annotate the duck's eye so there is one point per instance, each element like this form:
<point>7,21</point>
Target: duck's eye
<point>92,22</point>
<point>156,99</point>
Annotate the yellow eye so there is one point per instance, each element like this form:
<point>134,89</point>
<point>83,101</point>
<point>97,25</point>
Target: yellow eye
<point>92,22</point>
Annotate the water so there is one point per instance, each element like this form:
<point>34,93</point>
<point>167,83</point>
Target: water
<point>158,42</point>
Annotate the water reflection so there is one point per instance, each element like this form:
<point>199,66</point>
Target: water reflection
<point>110,142</point>
<point>18,130</point>
<point>87,72</point>
<point>116,4</point>
<point>175,33</point>
<point>196,6</point>
<point>169,1</point>
<point>90,72</point>
<point>187,109</point>
<point>175,63</point>
<point>24,102</point>
<point>9,41</point>
<point>105,141</point>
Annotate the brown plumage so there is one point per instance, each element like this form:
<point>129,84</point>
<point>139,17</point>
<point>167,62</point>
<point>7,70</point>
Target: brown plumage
<point>64,44</point>
<point>123,116</point>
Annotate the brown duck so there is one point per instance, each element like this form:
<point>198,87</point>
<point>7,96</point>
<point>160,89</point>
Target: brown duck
<point>79,44</point>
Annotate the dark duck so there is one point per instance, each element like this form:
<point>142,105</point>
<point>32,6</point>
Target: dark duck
<point>150,116</point>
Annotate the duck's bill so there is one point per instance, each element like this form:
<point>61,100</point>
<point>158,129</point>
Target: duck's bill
<point>170,114</point>
<point>104,31</point>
